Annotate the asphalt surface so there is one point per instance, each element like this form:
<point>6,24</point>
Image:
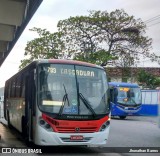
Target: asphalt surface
<point>9,138</point>
<point>133,133</point>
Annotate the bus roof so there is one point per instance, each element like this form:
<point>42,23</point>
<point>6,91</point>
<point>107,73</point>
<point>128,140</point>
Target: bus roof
<point>123,84</point>
<point>64,61</point>
<point>56,61</point>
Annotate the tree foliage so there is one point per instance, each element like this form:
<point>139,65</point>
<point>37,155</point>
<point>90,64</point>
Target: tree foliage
<point>115,35</point>
<point>99,38</point>
<point>47,45</point>
<point>148,80</point>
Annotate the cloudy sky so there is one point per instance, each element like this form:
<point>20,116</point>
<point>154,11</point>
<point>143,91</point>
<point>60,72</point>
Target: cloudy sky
<point>51,11</point>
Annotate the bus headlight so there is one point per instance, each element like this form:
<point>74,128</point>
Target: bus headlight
<point>104,126</point>
<point>42,122</point>
<point>45,125</point>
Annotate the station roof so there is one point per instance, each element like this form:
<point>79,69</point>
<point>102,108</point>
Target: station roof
<point>14,17</point>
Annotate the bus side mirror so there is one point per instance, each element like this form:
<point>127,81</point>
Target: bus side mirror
<point>115,92</point>
<point>111,94</point>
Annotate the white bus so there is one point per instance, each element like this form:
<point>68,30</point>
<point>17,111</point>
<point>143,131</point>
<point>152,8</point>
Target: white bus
<point>59,102</point>
<point>1,107</point>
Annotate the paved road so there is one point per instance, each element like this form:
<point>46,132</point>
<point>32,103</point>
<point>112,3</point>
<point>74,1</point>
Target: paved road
<point>140,133</point>
<point>134,132</point>
<point>137,132</point>
<point>8,137</point>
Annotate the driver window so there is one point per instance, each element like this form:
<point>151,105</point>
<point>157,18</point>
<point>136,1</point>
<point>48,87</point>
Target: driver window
<point>121,94</point>
<point>44,85</point>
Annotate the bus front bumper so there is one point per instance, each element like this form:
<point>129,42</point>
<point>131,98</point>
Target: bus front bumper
<point>46,138</point>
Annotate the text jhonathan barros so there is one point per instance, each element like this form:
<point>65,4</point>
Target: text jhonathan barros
<point>143,150</point>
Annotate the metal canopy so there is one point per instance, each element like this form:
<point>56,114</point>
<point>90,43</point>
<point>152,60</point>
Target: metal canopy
<point>14,16</point>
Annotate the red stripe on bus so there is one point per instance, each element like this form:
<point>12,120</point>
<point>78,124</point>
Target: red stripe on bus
<point>71,62</point>
<point>69,126</point>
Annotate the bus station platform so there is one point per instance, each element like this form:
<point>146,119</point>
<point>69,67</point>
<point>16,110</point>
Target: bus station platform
<point>9,138</point>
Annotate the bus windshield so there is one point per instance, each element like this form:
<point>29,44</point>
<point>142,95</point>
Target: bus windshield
<point>129,96</point>
<point>72,89</point>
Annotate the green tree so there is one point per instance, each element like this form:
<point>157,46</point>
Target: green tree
<point>148,80</point>
<point>157,82</point>
<point>47,45</point>
<point>99,38</point>
<point>116,35</point>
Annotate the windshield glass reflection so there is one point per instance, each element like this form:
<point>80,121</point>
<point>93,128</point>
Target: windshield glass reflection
<point>131,96</point>
<point>69,89</point>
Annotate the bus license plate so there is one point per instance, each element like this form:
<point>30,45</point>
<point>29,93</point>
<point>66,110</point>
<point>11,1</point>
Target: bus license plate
<point>76,137</point>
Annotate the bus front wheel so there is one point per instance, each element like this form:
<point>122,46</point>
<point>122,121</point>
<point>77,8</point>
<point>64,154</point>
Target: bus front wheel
<point>122,117</point>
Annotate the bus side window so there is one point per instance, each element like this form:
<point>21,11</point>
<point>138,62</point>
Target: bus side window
<point>17,85</point>
<point>9,89</point>
<point>13,87</point>
<point>22,86</point>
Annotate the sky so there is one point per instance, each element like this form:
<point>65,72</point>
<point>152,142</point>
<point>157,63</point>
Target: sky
<point>51,11</point>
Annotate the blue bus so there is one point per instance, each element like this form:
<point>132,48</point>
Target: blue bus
<point>125,99</point>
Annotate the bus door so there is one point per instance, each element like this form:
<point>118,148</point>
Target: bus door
<point>113,95</point>
<point>30,103</point>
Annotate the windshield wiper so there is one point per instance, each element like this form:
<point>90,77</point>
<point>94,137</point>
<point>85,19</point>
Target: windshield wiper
<point>87,104</point>
<point>65,97</point>
<point>134,101</point>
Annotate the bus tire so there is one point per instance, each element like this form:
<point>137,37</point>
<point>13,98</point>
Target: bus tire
<point>122,117</point>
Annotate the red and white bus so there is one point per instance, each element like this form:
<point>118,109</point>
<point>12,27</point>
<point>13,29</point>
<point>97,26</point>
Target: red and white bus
<point>59,102</point>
